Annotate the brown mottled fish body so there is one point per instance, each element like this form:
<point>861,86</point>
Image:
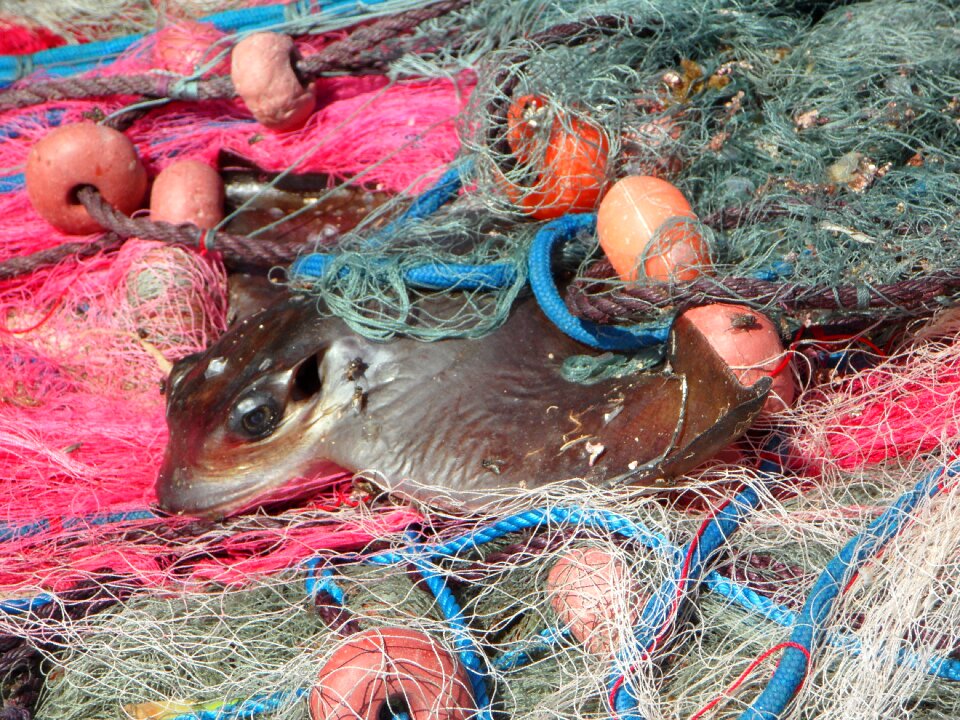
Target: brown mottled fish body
<point>458,423</point>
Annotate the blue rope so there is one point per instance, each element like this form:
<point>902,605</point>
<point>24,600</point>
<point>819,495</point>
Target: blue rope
<point>657,611</point>
<point>521,655</point>
<point>427,203</point>
<point>326,583</point>
<point>72,59</point>
<point>544,288</point>
<point>18,606</point>
<point>793,665</point>
<point>434,276</point>
<point>10,532</point>
<point>466,648</point>
<point>585,517</point>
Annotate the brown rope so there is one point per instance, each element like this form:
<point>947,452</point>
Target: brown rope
<point>589,299</point>
<point>26,264</point>
<point>237,250</point>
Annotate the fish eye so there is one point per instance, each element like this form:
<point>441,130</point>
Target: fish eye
<point>255,415</point>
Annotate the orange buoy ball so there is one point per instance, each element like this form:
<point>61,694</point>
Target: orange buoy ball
<point>570,174</point>
<point>186,46</point>
<point>750,344</point>
<point>261,67</point>
<point>646,219</point>
<point>188,191</point>
<point>373,671</point>
<point>589,590</point>
<point>80,154</point>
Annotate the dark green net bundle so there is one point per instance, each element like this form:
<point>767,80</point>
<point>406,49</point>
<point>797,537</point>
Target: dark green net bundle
<point>816,144</point>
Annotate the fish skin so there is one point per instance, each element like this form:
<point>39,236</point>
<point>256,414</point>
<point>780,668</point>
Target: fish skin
<point>458,423</point>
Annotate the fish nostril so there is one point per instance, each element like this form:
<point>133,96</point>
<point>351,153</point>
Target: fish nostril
<point>307,381</point>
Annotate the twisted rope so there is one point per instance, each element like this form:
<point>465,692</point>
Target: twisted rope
<point>367,48</point>
<point>237,250</point>
<point>26,264</point>
<point>588,299</point>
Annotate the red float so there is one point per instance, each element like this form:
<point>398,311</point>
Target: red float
<point>393,668</point>
<point>262,71</point>
<point>73,156</point>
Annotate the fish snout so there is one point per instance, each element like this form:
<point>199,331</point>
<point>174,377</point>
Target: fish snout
<point>181,492</point>
<point>174,490</point>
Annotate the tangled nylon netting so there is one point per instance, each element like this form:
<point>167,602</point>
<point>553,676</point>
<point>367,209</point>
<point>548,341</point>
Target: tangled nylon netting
<point>808,572</point>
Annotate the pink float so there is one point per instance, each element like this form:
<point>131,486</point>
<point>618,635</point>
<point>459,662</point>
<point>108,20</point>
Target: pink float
<point>262,71</point>
<point>583,588</point>
<point>750,344</point>
<point>77,155</point>
<point>188,191</point>
<point>389,667</point>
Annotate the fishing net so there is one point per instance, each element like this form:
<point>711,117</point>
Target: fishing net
<point>817,145</point>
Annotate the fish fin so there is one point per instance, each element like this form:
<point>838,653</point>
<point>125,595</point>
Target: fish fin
<point>706,404</point>
<point>719,408</point>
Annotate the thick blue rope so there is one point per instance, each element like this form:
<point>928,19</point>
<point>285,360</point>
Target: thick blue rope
<point>544,288</point>
<point>657,611</point>
<point>808,630</point>
<point>521,655</point>
<point>583,517</point>
<point>466,647</point>
<point>10,531</point>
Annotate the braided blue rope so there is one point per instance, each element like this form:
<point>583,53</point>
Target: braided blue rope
<point>434,276</point>
<point>585,517</point>
<point>657,611</point>
<point>9,531</point>
<point>427,203</point>
<point>466,647</point>
<point>603,337</point>
<point>325,584</point>
<point>521,655</point>
<point>807,632</point>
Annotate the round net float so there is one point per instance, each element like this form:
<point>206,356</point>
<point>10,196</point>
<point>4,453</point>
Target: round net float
<point>262,70</point>
<point>76,155</point>
<point>188,191</point>
<point>589,589</point>
<point>185,46</point>
<point>384,671</point>
<point>750,344</point>
<point>566,156</point>
<point>646,219</point>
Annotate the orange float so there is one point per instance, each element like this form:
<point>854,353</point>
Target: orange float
<point>570,173</point>
<point>373,671</point>
<point>646,219</point>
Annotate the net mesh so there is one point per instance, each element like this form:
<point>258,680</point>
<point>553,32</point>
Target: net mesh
<point>828,131</point>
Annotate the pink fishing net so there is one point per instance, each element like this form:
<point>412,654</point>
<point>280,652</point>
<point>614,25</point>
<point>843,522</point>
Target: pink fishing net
<point>85,345</point>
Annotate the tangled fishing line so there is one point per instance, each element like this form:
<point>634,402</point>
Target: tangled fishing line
<point>808,572</point>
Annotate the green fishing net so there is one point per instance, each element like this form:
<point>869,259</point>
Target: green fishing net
<point>817,143</point>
